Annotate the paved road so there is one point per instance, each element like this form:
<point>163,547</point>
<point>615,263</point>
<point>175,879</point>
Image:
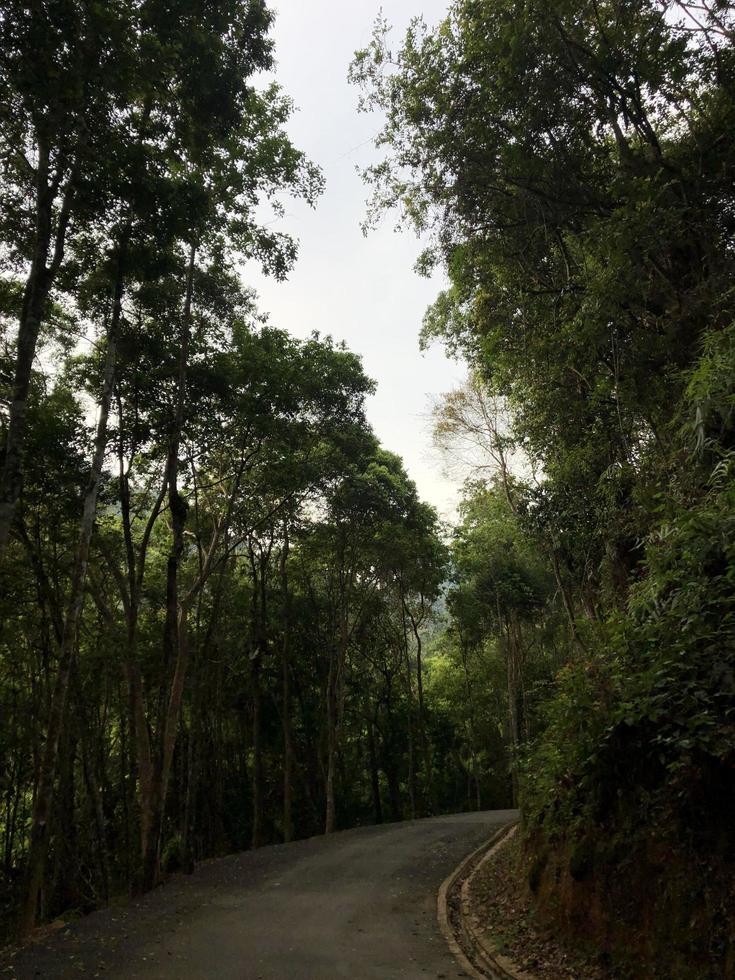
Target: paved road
<point>359,904</point>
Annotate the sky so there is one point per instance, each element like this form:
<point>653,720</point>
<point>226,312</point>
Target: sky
<point>359,289</point>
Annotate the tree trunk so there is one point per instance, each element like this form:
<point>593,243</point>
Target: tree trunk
<point>389,766</point>
<point>472,725</point>
<point>330,819</point>
<point>44,792</point>
<point>288,825</point>
<point>192,779</point>
<point>258,837</point>
<point>154,791</point>
<point>141,752</point>
<point>513,728</point>
<point>288,822</point>
<point>175,645</point>
<point>194,759</point>
<point>92,781</point>
<point>62,885</point>
<point>567,601</point>
<point>374,774</point>
<point>30,324</point>
<point>394,790</point>
<point>35,296</point>
<point>258,627</point>
<point>150,823</point>
<point>425,748</point>
<point>334,699</point>
<point>410,733</point>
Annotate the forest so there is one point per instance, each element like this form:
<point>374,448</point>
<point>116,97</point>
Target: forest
<point>217,585</point>
<point>227,618</point>
<point>570,164</point>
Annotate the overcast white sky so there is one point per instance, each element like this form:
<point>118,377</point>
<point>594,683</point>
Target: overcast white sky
<point>360,290</point>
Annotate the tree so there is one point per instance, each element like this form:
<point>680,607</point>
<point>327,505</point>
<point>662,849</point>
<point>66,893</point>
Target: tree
<point>571,168</point>
<point>189,128</point>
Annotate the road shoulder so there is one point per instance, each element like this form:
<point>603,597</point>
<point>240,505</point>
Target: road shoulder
<point>492,926</point>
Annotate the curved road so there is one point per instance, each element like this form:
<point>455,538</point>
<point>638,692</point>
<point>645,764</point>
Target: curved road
<point>358,904</point>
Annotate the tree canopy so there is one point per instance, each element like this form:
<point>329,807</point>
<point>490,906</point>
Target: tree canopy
<point>216,584</point>
<point>570,166</point>
<point>227,618</point>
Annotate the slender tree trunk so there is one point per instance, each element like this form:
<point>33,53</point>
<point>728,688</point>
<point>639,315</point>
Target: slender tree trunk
<point>425,748</point>
<point>394,790</point>
<point>197,725</point>
<point>175,645</point>
<point>524,733</point>
<point>374,774</point>
<point>511,658</point>
<point>258,837</point>
<point>62,884</point>
<point>288,825</point>
<point>472,725</point>
<point>330,820</point>
<point>143,762</point>
<point>141,751</point>
<point>192,775</point>
<point>127,782</point>
<point>334,711</point>
<point>410,732</point>
<point>513,727</point>
<point>258,628</point>
<point>13,800</point>
<point>153,802</point>
<point>567,600</point>
<point>92,781</point>
<point>388,758</point>
<point>30,323</point>
<point>44,792</point>
<point>150,820</point>
<point>35,296</point>
<point>288,766</point>
<point>173,714</point>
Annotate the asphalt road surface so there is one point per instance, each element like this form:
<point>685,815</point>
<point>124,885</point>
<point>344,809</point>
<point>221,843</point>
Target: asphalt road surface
<point>358,904</point>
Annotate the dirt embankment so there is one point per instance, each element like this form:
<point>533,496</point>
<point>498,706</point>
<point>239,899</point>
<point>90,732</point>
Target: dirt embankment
<point>506,921</point>
<point>589,911</point>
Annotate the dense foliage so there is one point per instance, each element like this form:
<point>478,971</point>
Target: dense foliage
<point>571,167</point>
<point>216,586</point>
<point>226,617</point>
